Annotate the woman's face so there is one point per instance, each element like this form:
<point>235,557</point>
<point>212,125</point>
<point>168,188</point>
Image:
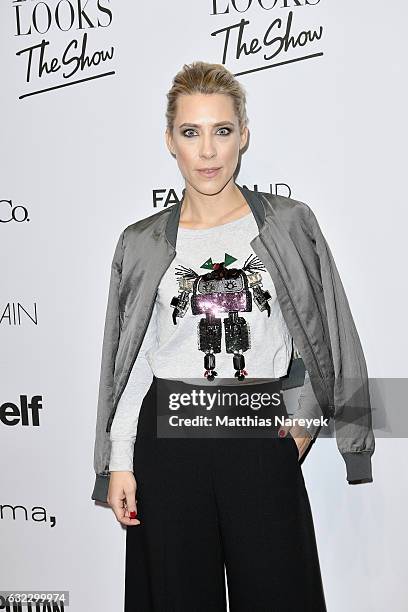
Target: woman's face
<point>206,136</point>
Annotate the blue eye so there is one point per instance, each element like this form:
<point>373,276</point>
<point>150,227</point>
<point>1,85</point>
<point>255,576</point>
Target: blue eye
<point>185,132</point>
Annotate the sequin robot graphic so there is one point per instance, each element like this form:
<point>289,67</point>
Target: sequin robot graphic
<point>222,291</point>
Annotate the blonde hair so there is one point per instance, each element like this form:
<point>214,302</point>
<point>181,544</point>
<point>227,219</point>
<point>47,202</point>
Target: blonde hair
<point>205,78</point>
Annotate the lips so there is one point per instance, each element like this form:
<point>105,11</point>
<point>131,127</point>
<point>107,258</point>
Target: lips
<point>209,172</point>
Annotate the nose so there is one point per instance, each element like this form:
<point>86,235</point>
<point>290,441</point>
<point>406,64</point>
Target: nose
<point>207,147</point>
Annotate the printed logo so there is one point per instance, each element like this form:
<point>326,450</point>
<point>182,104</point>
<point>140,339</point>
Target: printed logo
<point>52,57</point>
<point>14,314</point>
<point>25,413</point>
<point>281,42</point>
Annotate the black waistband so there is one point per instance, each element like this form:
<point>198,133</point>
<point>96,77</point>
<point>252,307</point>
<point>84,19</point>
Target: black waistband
<point>262,385</point>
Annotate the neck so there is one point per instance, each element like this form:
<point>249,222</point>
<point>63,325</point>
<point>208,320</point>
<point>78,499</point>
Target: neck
<point>201,210</point>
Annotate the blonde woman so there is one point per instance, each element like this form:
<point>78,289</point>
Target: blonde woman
<point>229,289</point>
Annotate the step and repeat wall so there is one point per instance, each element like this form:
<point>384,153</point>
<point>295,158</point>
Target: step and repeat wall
<point>83,99</point>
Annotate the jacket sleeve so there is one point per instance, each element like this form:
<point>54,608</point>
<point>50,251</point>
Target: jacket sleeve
<point>125,422</point>
<point>109,349</point>
<point>308,408</point>
<point>352,406</point>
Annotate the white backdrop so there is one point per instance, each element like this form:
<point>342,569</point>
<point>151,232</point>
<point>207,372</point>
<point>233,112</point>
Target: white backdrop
<point>82,161</point>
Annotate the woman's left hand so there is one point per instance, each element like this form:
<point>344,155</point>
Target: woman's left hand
<point>300,435</point>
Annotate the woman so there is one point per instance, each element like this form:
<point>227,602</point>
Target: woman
<point>252,282</point>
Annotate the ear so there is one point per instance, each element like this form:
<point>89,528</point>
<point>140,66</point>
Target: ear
<point>169,141</point>
<point>243,138</point>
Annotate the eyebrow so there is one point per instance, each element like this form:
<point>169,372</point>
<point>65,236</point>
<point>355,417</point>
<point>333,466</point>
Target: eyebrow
<point>197,125</point>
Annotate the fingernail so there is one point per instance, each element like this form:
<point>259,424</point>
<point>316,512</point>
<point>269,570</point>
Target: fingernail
<point>281,433</point>
<point>132,514</point>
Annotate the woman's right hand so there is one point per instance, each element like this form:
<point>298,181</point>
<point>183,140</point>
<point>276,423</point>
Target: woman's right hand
<point>122,496</point>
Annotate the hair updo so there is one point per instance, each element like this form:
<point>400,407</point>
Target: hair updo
<point>204,78</point>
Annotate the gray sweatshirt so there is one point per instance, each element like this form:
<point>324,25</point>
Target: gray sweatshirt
<point>172,350</point>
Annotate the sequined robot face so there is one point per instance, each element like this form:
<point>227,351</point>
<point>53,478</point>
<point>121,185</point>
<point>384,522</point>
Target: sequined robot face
<point>222,290</point>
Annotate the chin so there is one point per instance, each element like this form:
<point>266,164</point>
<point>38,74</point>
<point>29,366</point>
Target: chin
<point>209,187</point>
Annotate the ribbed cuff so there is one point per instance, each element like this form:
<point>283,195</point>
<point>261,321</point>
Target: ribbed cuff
<point>100,491</point>
<point>121,457</point>
<point>358,466</point>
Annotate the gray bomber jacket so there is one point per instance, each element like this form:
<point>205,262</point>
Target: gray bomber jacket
<point>314,305</point>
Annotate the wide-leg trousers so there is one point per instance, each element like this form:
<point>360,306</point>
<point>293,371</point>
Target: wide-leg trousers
<point>210,506</point>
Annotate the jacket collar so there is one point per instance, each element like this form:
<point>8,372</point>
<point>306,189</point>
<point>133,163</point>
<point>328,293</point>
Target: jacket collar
<point>255,202</point>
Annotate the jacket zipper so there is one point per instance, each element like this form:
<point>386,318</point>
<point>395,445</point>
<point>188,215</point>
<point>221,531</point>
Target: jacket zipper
<point>113,411</point>
<point>300,321</point>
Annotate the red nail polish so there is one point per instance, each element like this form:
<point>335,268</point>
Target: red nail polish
<point>132,514</point>
<point>281,433</point>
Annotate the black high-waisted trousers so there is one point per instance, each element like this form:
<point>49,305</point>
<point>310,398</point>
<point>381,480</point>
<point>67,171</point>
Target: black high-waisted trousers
<point>206,503</point>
